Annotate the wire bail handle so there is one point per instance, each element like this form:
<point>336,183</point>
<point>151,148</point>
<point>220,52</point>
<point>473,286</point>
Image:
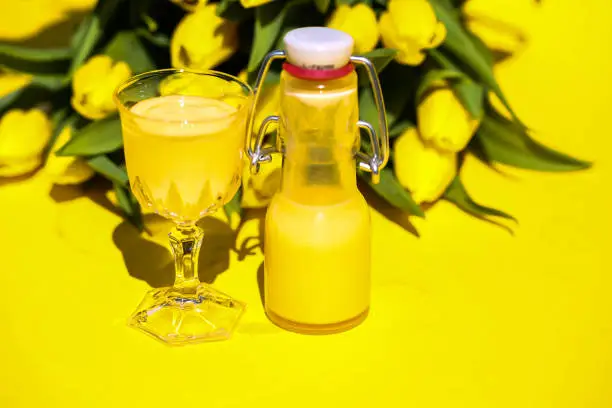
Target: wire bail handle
<point>379,142</point>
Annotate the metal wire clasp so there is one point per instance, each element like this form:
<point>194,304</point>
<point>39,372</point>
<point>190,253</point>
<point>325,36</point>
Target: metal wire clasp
<point>379,143</point>
<point>257,154</point>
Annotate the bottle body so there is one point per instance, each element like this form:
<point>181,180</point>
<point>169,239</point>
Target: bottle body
<point>317,239</point>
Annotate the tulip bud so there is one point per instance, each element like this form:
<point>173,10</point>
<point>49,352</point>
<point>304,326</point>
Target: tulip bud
<point>411,27</point>
<point>94,83</point>
<point>66,169</point>
<point>359,21</point>
<point>421,168</point>
<point>12,81</point>
<point>23,137</point>
<point>444,121</point>
<point>203,40</point>
<point>502,25</point>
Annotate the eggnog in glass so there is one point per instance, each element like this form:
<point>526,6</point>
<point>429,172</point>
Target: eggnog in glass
<point>183,134</point>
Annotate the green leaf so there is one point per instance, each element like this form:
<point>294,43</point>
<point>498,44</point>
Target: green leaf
<point>129,205</point>
<point>101,136</point>
<point>232,10</point>
<point>400,127</point>
<point>502,141</point>
<point>471,96</point>
<point>268,23</point>
<point>90,31</point>
<point>391,190</point>
<point>126,46</point>
<point>85,38</point>
<point>432,77</point>
<point>106,167</point>
<point>482,48</point>
<point>380,58</point>
<point>322,5</point>
<point>459,43</point>
<point>8,99</point>
<point>50,82</point>
<point>158,39</point>
<point>470,93</point>
<point>59,120</point>
<point>35,54</point>
<point>396,97</point>
<point>224,5</point>
<point>233,206</point>
<point>457,194</point>
<point>367,108</point>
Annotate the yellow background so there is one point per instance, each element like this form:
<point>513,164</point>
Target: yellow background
<point>464,316</point>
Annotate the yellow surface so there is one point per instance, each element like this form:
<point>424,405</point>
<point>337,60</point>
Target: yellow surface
<point>465,316</point>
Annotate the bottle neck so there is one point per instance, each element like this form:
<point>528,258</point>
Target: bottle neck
<point>314,175</point>
<point>319,136</point>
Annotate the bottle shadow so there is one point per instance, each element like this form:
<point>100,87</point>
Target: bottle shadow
<point>147,256</point>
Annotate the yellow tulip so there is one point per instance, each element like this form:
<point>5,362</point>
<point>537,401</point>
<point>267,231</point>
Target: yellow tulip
<point>66,169</point>
<point>502,25</point>
<point>411,27</point>
<point>203,40</point>
<point>360,22</point>
<point>421,168</point>
<point>23,137</point>
<point>443,120</point>
<point>258,190</point>
<point>12,81</point>
<point>94,83</point>
<point>20,20</point>
<point>254,3</point>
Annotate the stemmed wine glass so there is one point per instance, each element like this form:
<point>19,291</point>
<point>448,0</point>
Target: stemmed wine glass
<point>183,134</point>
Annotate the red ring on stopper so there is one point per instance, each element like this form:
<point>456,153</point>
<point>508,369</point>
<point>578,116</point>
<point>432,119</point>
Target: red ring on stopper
<point>318,74</point>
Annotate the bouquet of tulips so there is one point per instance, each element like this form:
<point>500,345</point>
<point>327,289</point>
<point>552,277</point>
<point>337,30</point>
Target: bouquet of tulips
<point>435,60</point>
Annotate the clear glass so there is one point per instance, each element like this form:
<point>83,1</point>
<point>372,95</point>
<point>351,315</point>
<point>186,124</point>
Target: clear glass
<point>183,134</point>
<point>317,252</point>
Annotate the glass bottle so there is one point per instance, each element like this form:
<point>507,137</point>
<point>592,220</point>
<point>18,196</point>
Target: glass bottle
<point>317,228</point>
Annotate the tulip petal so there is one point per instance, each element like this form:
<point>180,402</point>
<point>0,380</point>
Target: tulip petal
<point>66,169</point>
<point>359,21</point>
<point>19,168</point>
<point>421,168</point>
<point>203,40</point>
<point>439,35</point>
<point>93,85</point>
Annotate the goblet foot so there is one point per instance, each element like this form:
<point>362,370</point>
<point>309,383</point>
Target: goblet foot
<point>179,316</point>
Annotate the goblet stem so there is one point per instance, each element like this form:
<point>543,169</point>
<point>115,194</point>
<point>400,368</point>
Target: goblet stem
<point>185,241</point>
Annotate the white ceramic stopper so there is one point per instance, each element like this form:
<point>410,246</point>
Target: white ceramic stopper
<point>318,47</point>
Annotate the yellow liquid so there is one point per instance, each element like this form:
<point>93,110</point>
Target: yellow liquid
<point>317,263</point>
<point>317,239</point>
<point>184,154</point>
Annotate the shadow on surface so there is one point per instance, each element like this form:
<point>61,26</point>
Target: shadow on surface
<point>256,214</point>
<point>148,257</point>
<point>94,189</point>
<point>391,213</point>
<point>16,179</point>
